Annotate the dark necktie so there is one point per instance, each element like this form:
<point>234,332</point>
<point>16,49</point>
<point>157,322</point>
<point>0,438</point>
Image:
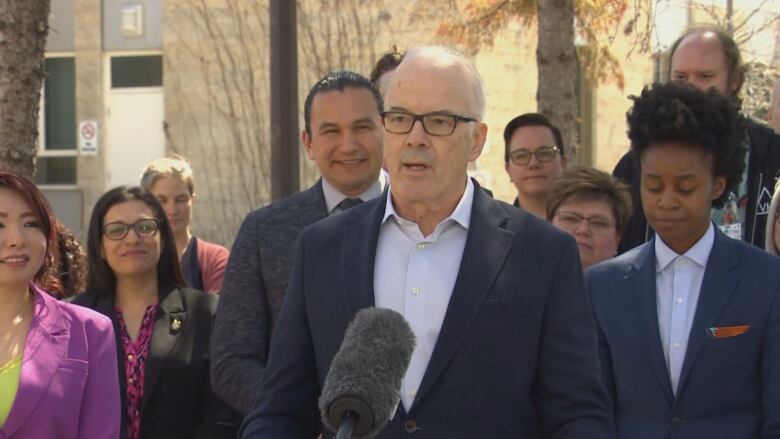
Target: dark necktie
<point>348,203</point>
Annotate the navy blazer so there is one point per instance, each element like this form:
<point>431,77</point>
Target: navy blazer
<point>729,387</point>
<point>516,356</point>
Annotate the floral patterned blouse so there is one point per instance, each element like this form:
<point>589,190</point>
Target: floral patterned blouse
<point>136,353</point>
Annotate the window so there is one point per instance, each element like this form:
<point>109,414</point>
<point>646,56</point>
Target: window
<point>136,71</point>
<point>57,123</point>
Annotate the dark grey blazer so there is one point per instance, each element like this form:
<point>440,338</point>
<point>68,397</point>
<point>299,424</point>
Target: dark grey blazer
<point>258,270</point>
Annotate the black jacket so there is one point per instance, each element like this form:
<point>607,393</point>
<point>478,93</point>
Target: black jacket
<point>763,167</point>
<point>177,400</point>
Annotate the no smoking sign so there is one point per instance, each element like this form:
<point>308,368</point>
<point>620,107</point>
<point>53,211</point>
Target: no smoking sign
<point>88,137</point>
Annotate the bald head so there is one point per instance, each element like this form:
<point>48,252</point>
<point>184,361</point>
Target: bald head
<point>707,57</point>
<point>447,62</point>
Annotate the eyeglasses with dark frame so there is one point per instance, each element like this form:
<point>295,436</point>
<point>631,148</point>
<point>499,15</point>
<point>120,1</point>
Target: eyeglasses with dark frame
<point>118,230</point>
<point>435,124</point>
<point>544,154</point>
<point>598,224</point>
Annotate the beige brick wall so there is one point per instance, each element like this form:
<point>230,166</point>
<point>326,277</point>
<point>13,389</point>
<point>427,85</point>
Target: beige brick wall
<point>231,165</point>
<point>89,97</point>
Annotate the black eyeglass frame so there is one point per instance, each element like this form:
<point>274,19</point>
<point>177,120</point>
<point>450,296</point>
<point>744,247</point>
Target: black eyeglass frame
<point>421,117</point>
<point>133,226</point>
<point>553,148</point>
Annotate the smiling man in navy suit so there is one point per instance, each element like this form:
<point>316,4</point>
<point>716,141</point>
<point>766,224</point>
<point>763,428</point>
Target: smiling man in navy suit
<point>506,343</point>
<point>689,323</point>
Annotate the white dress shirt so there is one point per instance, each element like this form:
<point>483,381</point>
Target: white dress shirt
<point>678,281</point>
<point>334,196</point>
<point>414,275</point>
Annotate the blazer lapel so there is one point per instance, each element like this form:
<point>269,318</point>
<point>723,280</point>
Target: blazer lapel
<point>171,318</point>
<point>720,279</point>
<point>45,346</point>
<point>487,246</point>
<point>642,278</point>
<point>106,305</point>
<point>357,258</point>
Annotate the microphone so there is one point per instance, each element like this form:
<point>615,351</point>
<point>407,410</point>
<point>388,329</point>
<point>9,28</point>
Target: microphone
<point>363,386</point>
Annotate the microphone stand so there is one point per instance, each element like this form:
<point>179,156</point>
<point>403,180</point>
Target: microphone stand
<point>347,424</point>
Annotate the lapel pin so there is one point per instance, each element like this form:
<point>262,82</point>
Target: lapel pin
<point>175,324</point>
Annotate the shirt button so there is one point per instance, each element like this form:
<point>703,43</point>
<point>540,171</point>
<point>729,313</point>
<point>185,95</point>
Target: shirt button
<point>420,246</point>
<point>676,345</point>
<point>410,426</point>
<point>130,357</point>
<point>679,300</point>
<point>415,291</point>
<point>676,422</point>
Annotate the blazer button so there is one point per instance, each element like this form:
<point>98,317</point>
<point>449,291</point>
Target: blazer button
<point>676,422</point>
<point>410,426</point>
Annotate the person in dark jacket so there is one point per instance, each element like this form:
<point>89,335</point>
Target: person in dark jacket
<point>162,328</point>
<point>707,57</point>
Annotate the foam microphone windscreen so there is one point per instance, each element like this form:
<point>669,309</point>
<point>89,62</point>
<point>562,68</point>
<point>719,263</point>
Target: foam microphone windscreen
<point>366,373</point>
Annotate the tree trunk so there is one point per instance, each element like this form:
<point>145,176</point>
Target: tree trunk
<point>23,31</point>
<point>557,63</point>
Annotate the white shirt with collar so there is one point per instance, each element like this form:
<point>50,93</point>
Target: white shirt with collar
<point>678,282</point>
<point>334,196</point>
<point>415,275</point>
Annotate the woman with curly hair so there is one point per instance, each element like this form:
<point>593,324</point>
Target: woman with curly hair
<point>689,322</point>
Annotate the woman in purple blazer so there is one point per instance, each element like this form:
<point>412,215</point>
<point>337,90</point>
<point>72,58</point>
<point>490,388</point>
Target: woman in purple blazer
<point>57,361</point>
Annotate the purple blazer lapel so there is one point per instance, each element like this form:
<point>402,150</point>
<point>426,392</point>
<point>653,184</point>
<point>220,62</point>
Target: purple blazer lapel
<point>46,345</point>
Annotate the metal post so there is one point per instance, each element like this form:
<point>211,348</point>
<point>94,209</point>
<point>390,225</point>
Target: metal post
<point>284,99</point>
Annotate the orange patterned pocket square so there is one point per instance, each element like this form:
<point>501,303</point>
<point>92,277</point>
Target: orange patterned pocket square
<point>727,331</point>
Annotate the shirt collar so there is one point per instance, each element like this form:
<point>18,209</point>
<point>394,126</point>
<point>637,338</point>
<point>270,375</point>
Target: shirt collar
<point>334,196</point>
<point>699,253</point>
<point>461,214</point>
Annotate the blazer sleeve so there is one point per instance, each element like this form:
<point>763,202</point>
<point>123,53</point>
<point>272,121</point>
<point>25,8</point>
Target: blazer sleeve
<point>287,404</point>
<point>100,413</point>
<point>239,342</point>
<point>605,358</point>
<point>216,418</point>
<point>770,372</point>
<point>572,400</point>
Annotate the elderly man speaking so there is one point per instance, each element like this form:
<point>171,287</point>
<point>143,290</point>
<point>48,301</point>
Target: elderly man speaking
<point>506,345</point>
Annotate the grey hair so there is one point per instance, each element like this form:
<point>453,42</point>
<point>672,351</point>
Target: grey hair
<point>769,239</point>
<point>448,56</point>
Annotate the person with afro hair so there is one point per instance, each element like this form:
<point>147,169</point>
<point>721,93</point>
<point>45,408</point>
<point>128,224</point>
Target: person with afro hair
<point>689,322</point>
<point>707,57</point>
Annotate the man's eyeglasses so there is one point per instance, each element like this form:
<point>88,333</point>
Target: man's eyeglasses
<point>118,230</point>
<point>571,220</point>
<point>544,154</point>
<point>435,124</point>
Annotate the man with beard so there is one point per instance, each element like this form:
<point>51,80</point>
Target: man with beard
<point>707,57</point>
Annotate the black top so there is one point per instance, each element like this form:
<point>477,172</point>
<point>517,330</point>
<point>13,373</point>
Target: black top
<point>177,399</point>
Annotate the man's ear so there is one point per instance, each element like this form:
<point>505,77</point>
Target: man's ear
<point>306,139</point>
<point>480,136</point>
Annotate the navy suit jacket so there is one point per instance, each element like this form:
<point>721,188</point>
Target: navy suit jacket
<point>516,356</point>
<point>729,387</point>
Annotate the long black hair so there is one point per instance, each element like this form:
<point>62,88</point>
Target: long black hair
<point>101,278</point>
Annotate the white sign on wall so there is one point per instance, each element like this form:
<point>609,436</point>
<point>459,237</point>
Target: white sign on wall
<point>88,137</point>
